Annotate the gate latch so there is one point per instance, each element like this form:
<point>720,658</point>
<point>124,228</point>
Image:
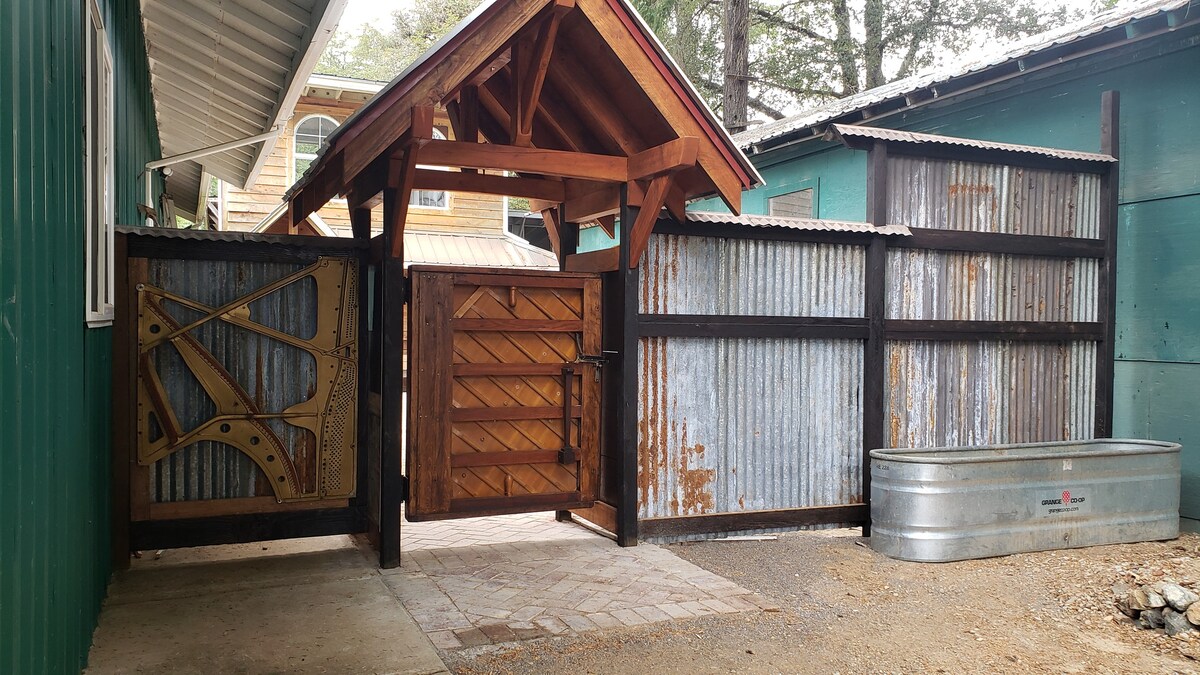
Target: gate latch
<point>597,360</point>
<point>568,454</point>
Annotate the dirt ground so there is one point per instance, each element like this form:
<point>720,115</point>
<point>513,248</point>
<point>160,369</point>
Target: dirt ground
<point>848,609</point>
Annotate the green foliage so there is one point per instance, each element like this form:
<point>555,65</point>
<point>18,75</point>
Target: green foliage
<point>373,53</point>
<point>804,52</point>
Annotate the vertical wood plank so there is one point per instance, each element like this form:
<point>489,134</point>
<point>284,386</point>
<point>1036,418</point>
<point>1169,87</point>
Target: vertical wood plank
<point>432,347</point>
<point>361,223</point>
<point>139,475</point>
<point>590,423</point>
<point>627,275</point>
<point>875,306</point>
<point>1110,188</point>
<point>391,368</point>
<point>124,398</point>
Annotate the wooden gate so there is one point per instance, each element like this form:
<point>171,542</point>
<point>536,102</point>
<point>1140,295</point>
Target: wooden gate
<point>504,392</point>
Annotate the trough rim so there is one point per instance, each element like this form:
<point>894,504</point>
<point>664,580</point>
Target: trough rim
<point>931,455</point>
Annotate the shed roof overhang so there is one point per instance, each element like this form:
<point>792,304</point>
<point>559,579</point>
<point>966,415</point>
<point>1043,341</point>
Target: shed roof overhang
<point>574,97</point>
<point>226,70</point>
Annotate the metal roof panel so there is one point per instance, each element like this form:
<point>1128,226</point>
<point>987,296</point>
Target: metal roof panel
<point>1016,50</point>
<point>837,131</point>
<point>806,224</point>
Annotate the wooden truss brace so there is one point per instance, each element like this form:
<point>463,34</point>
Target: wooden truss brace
<point>400,177</point>
<point>553,230</point>
<point>530,61</point>
<point>643,225</point>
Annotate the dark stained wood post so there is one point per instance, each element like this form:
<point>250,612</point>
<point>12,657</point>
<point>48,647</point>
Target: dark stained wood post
<point>568,245</point>
<point>391,371</point>
<point>360,223</point>
<point>124,423</point>
<point>626,410</point>
<point>875,306</point>
<point>1110,189</point>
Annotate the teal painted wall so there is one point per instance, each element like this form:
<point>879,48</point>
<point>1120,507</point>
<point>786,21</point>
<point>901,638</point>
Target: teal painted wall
<point>55,374</point>
<point>1158,304</point>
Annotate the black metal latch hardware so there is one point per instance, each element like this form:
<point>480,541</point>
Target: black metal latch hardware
<point>569,454</point>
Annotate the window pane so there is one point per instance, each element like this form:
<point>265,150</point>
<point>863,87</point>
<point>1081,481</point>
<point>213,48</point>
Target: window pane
<point>796,204</point>
<point>302,164</point>
<point>429,198</point>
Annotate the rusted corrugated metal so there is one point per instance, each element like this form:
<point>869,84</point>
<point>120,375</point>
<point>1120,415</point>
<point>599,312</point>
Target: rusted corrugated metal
<point>274,374</point>
<point>953,195</point>
<point>972,393</point>
<point>776,424</point>
<point>743,277</point>
<point>944,286</point>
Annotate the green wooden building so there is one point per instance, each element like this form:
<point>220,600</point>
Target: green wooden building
<point>1046,91</point>
<point>91,91</point>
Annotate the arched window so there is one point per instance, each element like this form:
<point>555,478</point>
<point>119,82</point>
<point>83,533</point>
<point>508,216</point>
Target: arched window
<point>431,199</point>
<point>306,141</point>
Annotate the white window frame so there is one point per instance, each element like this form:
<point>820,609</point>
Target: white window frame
<point>438,135</point>
<point>98,225</point>
<point>305,155</point>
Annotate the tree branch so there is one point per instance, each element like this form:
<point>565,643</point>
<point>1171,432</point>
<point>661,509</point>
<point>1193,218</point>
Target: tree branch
<point>780,22</point>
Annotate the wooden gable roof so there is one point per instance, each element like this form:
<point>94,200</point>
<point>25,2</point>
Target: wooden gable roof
<point>574,97</point>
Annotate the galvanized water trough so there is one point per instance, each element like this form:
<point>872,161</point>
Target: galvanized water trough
<point>942,504</point>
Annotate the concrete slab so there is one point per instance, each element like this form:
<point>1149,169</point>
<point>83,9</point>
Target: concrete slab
<point>305,606</point>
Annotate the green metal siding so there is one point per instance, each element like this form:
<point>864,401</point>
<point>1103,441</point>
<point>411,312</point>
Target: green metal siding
<point>1158,304</point>
<point>55,374</point>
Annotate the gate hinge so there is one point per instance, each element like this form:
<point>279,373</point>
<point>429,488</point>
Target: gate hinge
<point>404,488</point>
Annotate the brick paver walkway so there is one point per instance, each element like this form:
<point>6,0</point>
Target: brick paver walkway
<point>565,580</point>
<point>491,530</point>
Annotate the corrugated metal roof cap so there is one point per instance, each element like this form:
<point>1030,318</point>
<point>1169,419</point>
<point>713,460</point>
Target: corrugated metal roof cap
<point>806,224</point>
<point>842,132</point>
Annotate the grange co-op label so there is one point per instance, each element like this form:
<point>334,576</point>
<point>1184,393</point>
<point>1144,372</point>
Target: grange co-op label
<point>1064,504</point>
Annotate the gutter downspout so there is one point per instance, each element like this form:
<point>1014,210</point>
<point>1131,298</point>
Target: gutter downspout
<point>198,153</point>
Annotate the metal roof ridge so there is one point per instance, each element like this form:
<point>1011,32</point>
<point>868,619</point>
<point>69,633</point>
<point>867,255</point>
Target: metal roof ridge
<point>841,131</point>
<point>796,223</point>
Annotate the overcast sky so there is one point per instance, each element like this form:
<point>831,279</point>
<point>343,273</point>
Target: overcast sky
<point>359,12</point>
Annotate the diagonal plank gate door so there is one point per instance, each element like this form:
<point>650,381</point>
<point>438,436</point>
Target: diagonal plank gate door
<point>504,392</point>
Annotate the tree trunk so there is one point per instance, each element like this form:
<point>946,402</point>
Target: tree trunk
<point>736,90</point>
<point>845,48</point>
<point>873,43</point>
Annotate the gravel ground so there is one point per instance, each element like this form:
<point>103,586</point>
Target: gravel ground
<point>850,609</point>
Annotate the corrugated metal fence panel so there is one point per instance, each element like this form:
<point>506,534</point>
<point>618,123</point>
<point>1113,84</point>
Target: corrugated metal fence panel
<point>984,393</point>
<point>954,195</point>
<point>951,286</point>
<point>275,375</point>
<point>743,277</point>
<point>55,374</point>
<point>729,425</point>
